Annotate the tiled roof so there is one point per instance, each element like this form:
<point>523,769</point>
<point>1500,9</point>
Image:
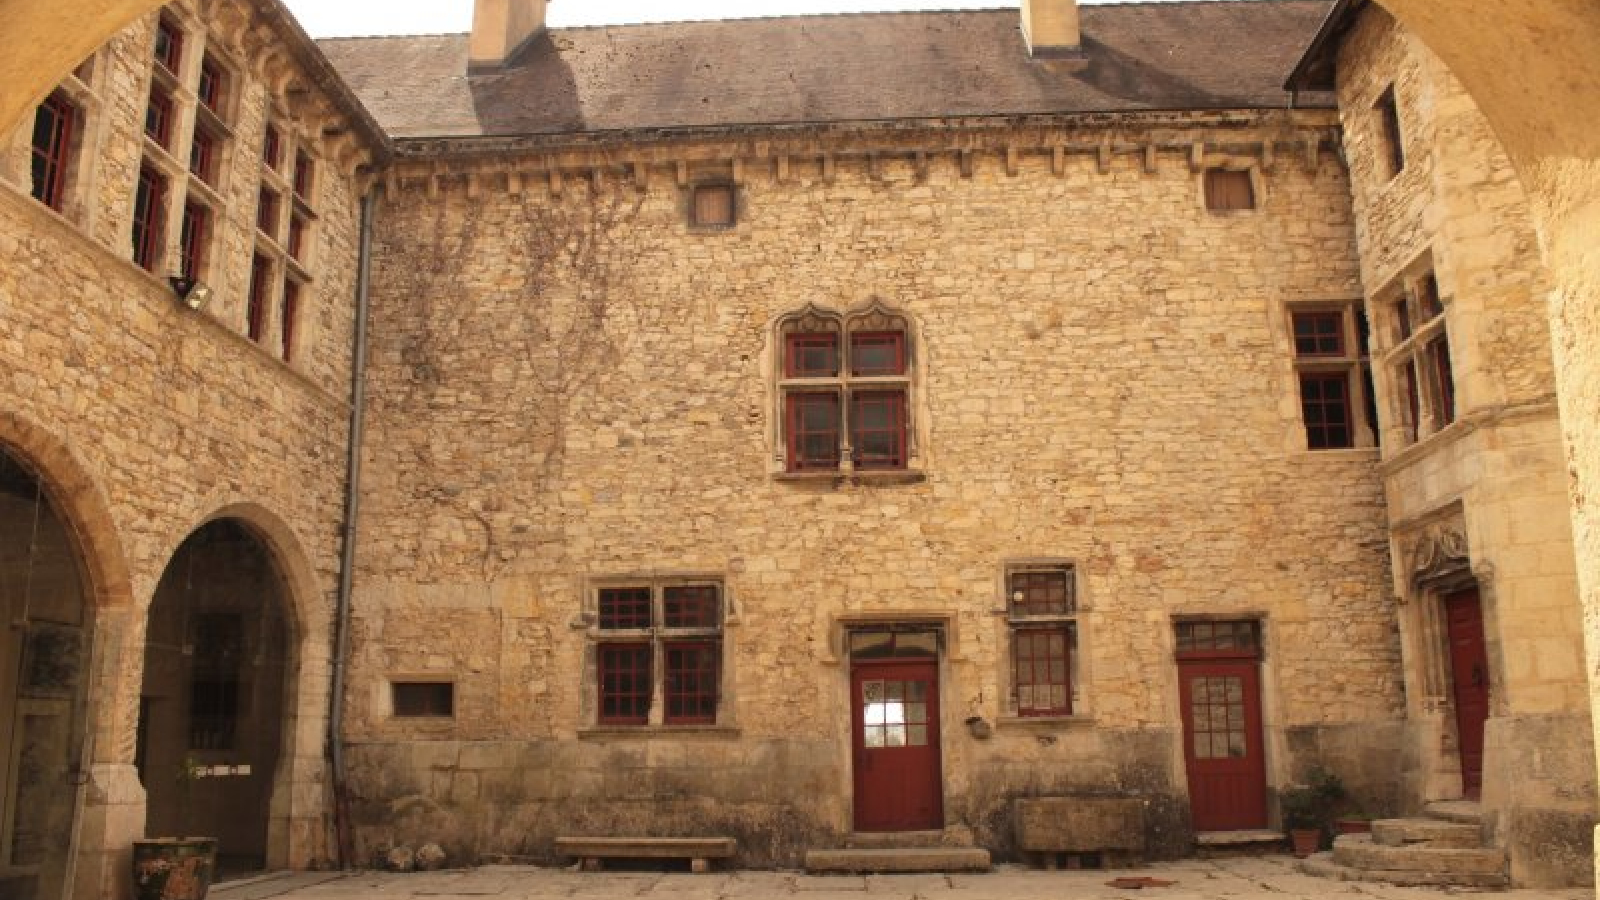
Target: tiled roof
<point>1219,54</point>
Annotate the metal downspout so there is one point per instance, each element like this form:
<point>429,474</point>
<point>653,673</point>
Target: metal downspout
<point>352,501</point>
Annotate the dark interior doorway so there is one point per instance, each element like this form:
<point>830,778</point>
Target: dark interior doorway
<point>211,712</point>
<point>44,674</point>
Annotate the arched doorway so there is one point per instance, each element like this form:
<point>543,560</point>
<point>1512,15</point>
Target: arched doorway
<point>212,708</point>
<point>44,675</point>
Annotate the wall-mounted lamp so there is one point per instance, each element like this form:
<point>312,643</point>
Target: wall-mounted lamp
<point>191,292</point>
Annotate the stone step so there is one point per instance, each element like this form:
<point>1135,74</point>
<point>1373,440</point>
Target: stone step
<point>893,840</point>
<point>1322,865</point>
<point>912,859</point>
<point>1432,833</point>
<point>1359,852</point>
<point>1465,812</point>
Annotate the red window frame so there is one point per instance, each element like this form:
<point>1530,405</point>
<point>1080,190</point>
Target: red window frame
<point>194,238</point>
<point>1207,639</point>
<point>303,173</point>
<point>203,155</point>
<point>797,403</point>
<point>290,309</point>
<point>1319,333</point>
<point>625,608</point>
<point>209,91</point>
<point>169,45</point>
<point>1326,408</point>
<point>297,235</point>
<point>272,148</point>
<point>267,205</point>
<point>1052,592</point>
<point>149,215</point>
<point>798,346</point>
<point>691,682</point>
<point>256,308</point>
<point>624,681</point>
<point>53,127</point>
<point>158,117</point>
<point>1042,661</point>
<point>864,340</point>
<point>895,403</point>
<point>690,606</point>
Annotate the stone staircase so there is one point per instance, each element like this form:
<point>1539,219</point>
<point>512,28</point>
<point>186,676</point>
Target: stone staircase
<point>1445,847</point>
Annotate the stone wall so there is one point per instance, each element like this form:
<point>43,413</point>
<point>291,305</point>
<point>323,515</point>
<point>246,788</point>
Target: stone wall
<point>145,419</point>
<point>1497,476</point>
<point>574,386</point>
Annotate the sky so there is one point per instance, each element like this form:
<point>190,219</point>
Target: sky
<point>342,18</point>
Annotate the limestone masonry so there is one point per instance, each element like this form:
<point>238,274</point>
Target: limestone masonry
<point>895,430</point>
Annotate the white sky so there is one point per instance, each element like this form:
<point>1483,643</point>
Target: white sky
<point>339,18</point>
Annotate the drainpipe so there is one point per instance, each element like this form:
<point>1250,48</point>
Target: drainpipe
<point>347,554</point>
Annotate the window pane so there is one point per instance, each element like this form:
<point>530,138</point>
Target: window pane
<point>1043,593</point>
<point>1444,380</point>
<point>877,353</point>
<point>813,431</point>
<point>1243,635</point>
<point>624,683</point>
<point>1325,406</point>
<point>691,682</point>
<point>812,356</point>
<point>877,429</point>
<point>622,608</point>
<point>52,142</point>
<point>1042,679</point>
<point>691,607</point>
<point>424,699</point>
<point>1319,333</point>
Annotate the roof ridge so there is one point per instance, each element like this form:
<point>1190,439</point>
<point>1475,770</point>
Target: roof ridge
<point>863,13</point>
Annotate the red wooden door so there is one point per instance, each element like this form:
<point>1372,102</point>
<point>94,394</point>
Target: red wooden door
<point>1222,743</point>
<point>895,713</point>
<point>1469,671</point>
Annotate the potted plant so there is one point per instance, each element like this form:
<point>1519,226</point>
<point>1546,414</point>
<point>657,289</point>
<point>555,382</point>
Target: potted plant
<point>176,868</point>
<point>1308,809</point>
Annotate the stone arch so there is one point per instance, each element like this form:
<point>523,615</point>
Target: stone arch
<point>296,826</point>
<point>71,487</point>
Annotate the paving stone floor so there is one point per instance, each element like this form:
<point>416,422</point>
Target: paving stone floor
<point>1239,878</point>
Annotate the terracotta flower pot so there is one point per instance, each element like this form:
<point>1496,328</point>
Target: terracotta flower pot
<point>173,868</point>
<point>1306,841</point>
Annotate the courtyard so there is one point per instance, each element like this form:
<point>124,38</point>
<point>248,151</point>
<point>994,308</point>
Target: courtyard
<point>1233,878</point>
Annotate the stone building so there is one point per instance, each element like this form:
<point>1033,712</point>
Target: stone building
<point>786,429</point>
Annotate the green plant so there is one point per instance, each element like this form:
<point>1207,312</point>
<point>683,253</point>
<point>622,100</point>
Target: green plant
<point>1313,805</point>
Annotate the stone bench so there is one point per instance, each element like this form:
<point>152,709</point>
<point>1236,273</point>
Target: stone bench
<point>1049,826</point>
<point>589,851</point>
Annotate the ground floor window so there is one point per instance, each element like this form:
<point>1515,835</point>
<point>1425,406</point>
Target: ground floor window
<point>1042,610</point>
<point>657,650</point>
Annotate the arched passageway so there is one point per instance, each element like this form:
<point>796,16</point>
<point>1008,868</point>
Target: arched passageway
<point>44,674</point>
<point>212,708</point>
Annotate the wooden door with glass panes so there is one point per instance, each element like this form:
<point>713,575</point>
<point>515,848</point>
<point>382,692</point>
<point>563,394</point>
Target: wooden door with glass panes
<point>895,713</point>
<point>1219,684</point>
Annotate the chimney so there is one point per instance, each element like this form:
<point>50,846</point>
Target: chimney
<point>1051,28</point>
<point>500,28</point>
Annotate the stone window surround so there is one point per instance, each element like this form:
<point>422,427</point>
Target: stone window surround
<point>874,314</point>
<point>1258,184</point>
<point>386,709</point>
<point>1393,355</point>
<point>1355,361</point>
<point>1078,659</point>
<point>208,44</point>
<point>658,636</point>
<point>81,88</point>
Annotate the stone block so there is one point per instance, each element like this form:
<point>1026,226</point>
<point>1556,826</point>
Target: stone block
<point>1080,824</point>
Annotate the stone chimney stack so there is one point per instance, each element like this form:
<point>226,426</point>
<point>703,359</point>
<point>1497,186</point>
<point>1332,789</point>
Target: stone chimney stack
<point>1051,28</point>
<point>500,28</point>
